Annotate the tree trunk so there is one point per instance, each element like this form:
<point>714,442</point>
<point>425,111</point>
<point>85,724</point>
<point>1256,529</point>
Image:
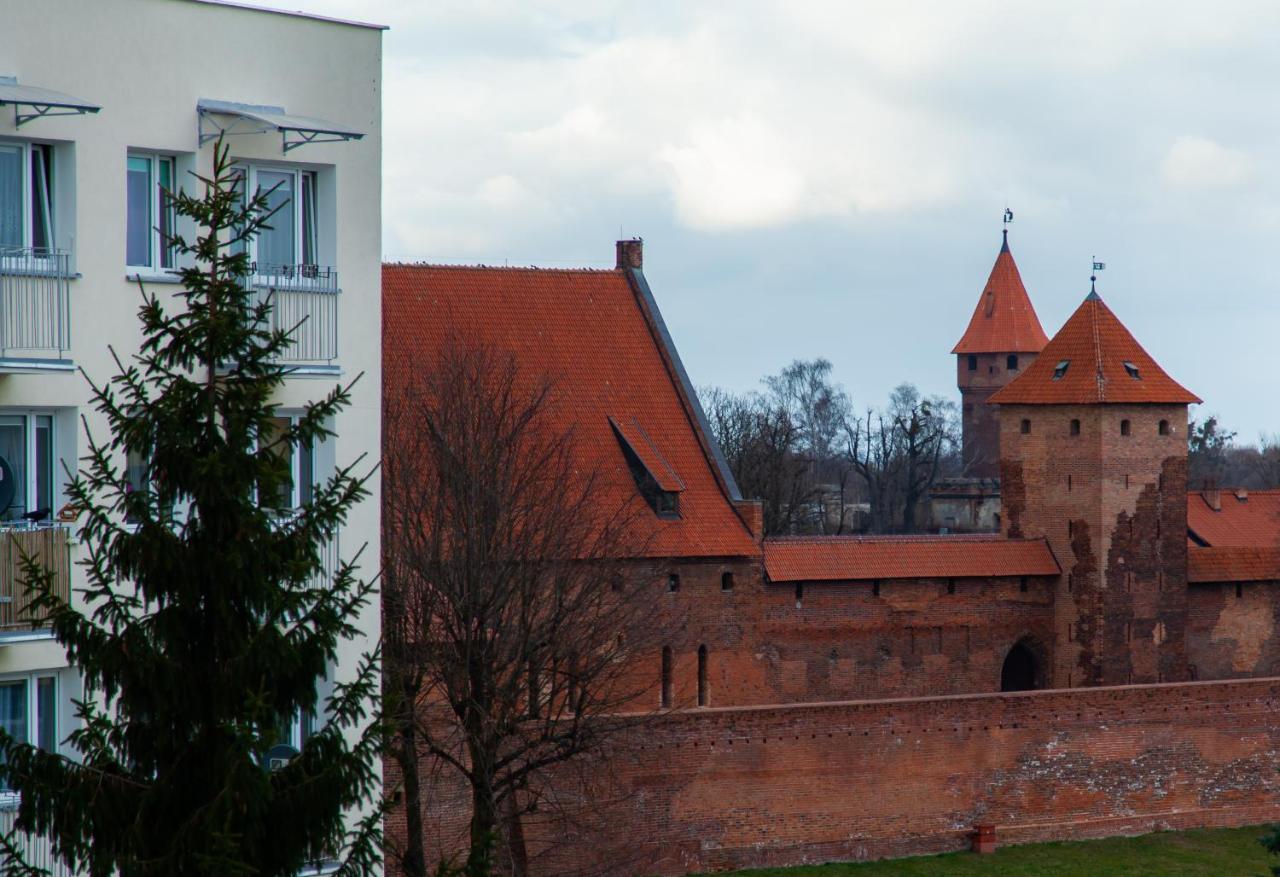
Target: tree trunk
<point>413,861</point>
<point>484,826</point>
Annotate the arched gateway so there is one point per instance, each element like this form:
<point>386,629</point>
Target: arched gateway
<point>1023,668</point>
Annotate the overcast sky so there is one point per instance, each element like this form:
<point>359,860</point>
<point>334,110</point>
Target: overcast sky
<point>827,178</point>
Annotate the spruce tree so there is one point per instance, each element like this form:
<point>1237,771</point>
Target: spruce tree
<point>207,620</point>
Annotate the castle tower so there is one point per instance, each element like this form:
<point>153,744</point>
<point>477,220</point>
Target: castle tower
<point>1093,439</point>
<point>1003,339</point>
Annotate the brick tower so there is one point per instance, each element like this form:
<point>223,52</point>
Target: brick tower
<point>1093,439</point>
<point>1003,339</point>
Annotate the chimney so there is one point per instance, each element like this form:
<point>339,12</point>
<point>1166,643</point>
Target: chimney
<point>752,513</point>
<point>1212,497</point>
<point>631,254</point>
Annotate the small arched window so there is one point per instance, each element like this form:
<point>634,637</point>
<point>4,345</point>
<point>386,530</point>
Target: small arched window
<point>1075,427</point>
<point>702,676</point>
<point>673,582</point>
<point>726,581</point>
<point>666,696</point>
<point>1124,427</point>
<point>1026,426</point>
<point>1011,362</point>
<point>1164,427</point>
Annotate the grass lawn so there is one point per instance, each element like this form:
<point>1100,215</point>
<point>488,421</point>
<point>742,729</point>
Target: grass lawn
<point>1225,852</point>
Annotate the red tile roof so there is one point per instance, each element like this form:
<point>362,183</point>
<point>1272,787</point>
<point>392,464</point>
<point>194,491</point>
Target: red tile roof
<point>1233,564</point>
<point>1098,351</point>
<point>846,558</point>
<point>1004,320</point>
<point>1246,520</point>
<point>601,343</point>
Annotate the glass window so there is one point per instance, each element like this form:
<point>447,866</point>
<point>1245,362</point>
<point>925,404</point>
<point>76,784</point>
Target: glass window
<point>297,491</point>
<point>26,466</point>
<point>26,195</point>
<point>47,713</point>
<point>149,215</point>
<point>290,237</point>
<point>13,708</point>
<point>276,240</point>
<point>12,162</point>
<point>29,711</point>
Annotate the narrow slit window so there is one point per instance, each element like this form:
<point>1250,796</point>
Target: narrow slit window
<point>1124,427</point>
<point>1025,426</point>
<point>875,588</point>
<point>1164,427</point>
<point>703,694</point>
<point>726,581</point>
<point>673,582</point>
<point>1075,427</point>
<point>666,696</point>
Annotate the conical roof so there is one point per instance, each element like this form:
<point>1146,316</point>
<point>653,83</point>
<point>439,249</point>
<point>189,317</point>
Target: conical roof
<point>1093,359</point>
<point>1004,320</point>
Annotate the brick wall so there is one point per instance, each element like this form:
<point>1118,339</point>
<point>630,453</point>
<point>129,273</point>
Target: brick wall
<point>1232,629</point>
<point>726,788</point>
<point>769,643</point>
<point>1112,502</point>
<point>979,423</point>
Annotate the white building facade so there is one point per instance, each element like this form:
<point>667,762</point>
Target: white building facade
<point>102,104</point>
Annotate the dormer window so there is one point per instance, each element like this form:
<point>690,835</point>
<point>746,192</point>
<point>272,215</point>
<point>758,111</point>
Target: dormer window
<point>1060,370</point>
<point>654,478</point>
<point>1132,371</point>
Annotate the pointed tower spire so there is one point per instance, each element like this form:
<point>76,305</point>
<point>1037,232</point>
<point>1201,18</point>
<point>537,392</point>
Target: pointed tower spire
<point>1004,320</point>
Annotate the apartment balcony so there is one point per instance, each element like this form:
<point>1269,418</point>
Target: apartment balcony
<point>304,298</point>
<point>36,851</point>
<point>51,546</point>
<point>35,310</point>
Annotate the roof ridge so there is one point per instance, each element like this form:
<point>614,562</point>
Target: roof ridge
<point>1097,346</point>
<point>512,268</point>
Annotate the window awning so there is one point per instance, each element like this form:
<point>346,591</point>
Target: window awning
<point>226,117</point>
<point>40,103</point>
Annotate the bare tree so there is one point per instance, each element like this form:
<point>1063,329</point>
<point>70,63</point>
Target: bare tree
<point>925,430</point>
<point>513,614</point>
<point>871,447</point>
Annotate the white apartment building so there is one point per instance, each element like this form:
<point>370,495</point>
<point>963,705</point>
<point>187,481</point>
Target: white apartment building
<point>102,103</point>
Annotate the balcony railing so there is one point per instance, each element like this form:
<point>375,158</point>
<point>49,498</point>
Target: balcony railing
<point>35,302</point>
<point>50,545</point>
<point>305,297</point>
<point>36,851</point>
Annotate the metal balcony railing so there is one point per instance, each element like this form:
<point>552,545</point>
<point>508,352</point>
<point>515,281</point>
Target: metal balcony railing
<point>50,545</point>
<point>36,851</point>
<point>35,302</point>
<point>305,297</point>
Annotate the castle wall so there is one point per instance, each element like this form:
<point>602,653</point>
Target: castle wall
<point>773,643</point>
<point>729,788</point>
<point>979,420</point>
<point>1233,629</point>
<point>1113,507</point>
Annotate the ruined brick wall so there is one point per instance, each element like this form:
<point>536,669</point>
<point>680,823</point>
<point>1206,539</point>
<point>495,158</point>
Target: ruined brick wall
<point>1233,629</point>
<point>1111,500</point>
<point>717,789</point>
<point>776,643</point>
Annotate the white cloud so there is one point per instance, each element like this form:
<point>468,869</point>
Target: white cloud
<point>1200,163</point>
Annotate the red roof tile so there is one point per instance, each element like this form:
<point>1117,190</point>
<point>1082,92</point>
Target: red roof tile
<point>595,338</point>
<point>1246,519</point>
<point>846,558</point>
<point>1098,351</point>
<point>1004,320</point>
<point>1233,564</point>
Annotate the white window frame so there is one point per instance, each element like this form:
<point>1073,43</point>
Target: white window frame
<point>295,462</point>
<point>32,474</point>
<point>156,208</point>
<point>32,679</point>
<point>250,170</point>
<point>29,149</point>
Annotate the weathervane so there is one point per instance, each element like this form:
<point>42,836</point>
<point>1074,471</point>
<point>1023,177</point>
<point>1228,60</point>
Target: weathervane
<point>1097,266</point>
<point>1008,215</point>
<point>1008,218</point>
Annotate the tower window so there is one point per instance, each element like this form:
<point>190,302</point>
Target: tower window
<point>951,586</point>
<point>1132,371</point>
<point>1075,427</point>
<point>1164,427</point>
<point>1011,362</point>
<point>668,689</point>
<point>702,675</point>
<point>973,363</point>
<point>1026,426</point>
<point>673,582</point>
<point>1022,584</point>
<point>1060,369</point>
<point>726,581</point>
<point>875,588</point>
<point>1124,427</point>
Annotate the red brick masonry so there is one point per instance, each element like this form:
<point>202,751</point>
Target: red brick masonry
<point>736,787</point>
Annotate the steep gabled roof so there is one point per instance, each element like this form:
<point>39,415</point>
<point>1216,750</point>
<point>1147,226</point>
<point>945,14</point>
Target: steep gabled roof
<point>597,337</point>
<point>1093,359</point>
<point>860,558</point>
<point>1004,320</point>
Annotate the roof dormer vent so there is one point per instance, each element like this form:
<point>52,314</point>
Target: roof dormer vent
<point>1060,370</point>
<point>1132,370</point>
